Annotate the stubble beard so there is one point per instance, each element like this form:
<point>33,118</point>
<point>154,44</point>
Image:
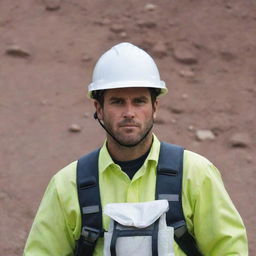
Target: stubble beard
<point>129,140</point>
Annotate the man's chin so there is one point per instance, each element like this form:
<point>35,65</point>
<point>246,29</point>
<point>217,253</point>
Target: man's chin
<point>129,140</point>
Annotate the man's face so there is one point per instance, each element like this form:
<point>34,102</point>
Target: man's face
<point>128,113</point>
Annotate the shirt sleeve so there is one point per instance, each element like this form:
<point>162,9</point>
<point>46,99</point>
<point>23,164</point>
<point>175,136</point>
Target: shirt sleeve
<point>215,222</point>
<point>50,233</point>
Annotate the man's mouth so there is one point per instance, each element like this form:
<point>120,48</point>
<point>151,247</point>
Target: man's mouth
<point>128,124</point>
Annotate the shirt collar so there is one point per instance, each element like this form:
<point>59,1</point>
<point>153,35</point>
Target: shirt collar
<point>105,159</point>
<point>155,149</point>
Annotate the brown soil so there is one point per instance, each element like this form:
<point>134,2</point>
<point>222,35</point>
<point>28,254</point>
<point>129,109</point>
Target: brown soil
<point>44,93</point>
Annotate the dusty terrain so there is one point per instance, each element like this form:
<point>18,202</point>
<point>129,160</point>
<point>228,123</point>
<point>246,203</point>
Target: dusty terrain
<point>206,52</point>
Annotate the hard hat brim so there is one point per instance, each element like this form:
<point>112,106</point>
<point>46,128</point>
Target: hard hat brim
<point>127,84</point>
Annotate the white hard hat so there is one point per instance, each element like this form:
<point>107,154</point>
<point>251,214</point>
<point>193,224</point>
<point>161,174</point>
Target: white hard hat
<point>125,65</point>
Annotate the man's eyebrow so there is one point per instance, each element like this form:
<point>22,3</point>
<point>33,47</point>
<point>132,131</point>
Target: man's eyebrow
<point>142,97</point>
<point>115,98</point>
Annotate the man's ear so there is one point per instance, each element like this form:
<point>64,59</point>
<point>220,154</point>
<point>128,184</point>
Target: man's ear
<point>155,107</point>
<point>98,109</point>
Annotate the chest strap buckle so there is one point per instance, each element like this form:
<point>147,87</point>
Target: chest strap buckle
<point>90,235</point>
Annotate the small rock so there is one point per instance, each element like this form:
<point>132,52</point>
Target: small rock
<point>52,5</point>
<point>75,128</point>
<point>123,35</point>
<point>159,49</point>
<point>251,90</point>
<point>117,28</point>
<point>184,56</point>
<point>105,21</point>
<point>44,102</point>
<point>202,135</point>
<point>241,140</point>
<point>146,24</point>
<point>177,109</point>
<point>184,96</point>
<point>173,121</point>
<point>187,73</point>
<point>228,6</point>
<point>150,7</point>
<point>17,51</point>
<point>227,56</point>
<point>86,115</point>
<point>191,128</point>
<point>86,58</point>
<point>102,22</point>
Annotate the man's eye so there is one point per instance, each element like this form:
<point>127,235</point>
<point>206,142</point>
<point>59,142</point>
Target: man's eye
<point>139,101</point>
<point>118,102</point>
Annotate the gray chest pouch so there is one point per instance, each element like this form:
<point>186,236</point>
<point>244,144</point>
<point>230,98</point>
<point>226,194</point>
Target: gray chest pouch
<point>138,229</point>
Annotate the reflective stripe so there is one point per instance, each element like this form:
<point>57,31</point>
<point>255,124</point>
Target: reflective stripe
<point>170,197</point>
<point>91,209</point>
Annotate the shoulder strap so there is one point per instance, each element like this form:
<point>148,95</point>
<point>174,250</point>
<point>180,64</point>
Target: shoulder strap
<point>89,201</point>
<point>169,186</point>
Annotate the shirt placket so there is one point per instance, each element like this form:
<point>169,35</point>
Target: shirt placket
<point>133,189</point>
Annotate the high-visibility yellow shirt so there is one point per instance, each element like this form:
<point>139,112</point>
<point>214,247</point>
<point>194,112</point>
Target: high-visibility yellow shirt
<point>210,215</point>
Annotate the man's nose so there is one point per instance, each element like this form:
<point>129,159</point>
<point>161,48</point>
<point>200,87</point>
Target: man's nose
<point>129,111</point>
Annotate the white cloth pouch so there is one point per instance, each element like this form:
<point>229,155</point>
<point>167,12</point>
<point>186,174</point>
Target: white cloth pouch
<point>138,229</point>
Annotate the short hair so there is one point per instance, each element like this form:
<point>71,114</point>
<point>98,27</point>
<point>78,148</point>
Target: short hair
<point>99,95</point>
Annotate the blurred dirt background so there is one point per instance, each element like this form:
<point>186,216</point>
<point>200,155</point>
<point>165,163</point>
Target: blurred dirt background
<point>205,50</point>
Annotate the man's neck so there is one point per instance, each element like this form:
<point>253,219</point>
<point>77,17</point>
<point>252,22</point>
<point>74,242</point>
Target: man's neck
<point>122,153</point>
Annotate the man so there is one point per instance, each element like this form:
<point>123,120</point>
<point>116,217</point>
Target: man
<point>125,89</point>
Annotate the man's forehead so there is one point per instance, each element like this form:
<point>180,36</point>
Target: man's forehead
<point>124,92</point>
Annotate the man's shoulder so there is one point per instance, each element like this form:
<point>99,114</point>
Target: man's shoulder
<point>195,162</point>
<point>195,158</point>
<point>197,167</point>
<point>67,172</point>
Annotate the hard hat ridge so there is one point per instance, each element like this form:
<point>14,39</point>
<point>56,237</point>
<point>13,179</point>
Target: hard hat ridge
<point>125,65</point>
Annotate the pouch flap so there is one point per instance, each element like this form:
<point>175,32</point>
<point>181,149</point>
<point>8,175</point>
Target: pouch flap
<point>138,215</point>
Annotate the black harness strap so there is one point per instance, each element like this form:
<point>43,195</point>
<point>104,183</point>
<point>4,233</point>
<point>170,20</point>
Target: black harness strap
<point>169,187</point>
<point>89,201</point>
